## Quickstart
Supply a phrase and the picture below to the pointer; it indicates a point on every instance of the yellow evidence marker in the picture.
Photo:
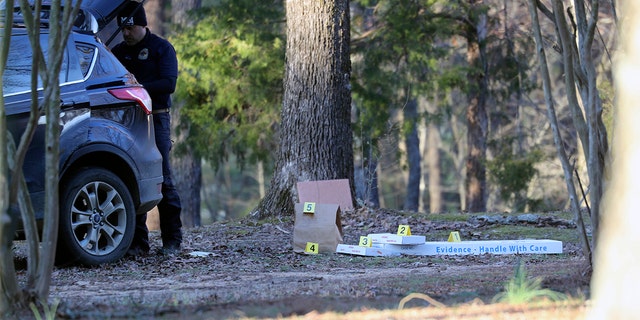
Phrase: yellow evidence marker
(454, 236)
(365, 241)
(309, 207)
(404, 230)
(312, 248)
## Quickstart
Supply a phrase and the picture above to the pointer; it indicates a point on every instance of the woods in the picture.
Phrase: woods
(406, 55)
(425, 106)
(459, 74)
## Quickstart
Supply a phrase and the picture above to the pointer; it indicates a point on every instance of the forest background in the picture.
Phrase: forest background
(453, 75)
(411, 88)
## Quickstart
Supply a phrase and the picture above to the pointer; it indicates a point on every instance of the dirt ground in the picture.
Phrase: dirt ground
(251, 271)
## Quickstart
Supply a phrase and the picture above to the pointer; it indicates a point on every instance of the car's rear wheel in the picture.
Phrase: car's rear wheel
(97, 217)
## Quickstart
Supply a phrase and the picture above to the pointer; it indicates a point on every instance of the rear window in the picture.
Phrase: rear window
(17, 75)
(86, 56)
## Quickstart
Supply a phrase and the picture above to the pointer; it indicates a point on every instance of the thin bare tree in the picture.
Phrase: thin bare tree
(576, 33)
(61, 20)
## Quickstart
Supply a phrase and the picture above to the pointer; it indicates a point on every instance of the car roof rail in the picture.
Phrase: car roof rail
(18, 17)
(84, 21)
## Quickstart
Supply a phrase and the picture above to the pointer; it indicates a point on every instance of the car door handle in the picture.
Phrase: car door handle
(68, 104)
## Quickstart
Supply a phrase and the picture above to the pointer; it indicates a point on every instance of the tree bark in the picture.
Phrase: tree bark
(60, 28)
(315, 136)
(457, 152)
(582, 92)
(187, 167)
(186, 172)
(477, 120)
(432, 156)
(586, 16)
(412, 141)
(8, 280)
(557, 138)
(366, 178)
(155, 16)
(180, 10)
(433, 165)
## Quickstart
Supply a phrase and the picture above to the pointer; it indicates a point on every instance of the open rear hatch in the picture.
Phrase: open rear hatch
(94, 15)
(103, 11)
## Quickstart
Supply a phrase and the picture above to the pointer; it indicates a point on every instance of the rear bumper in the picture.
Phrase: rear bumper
(150, 194)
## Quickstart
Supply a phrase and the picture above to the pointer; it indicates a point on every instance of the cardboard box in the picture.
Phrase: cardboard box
(396, 239)
(479, 247)
(326, 191)
(365, 251)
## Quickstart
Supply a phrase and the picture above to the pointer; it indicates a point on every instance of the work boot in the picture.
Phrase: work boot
(137, 251)
(170, 249)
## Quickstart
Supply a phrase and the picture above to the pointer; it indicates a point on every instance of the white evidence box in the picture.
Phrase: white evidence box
(544, 246)
(389, 238)
(373, 251)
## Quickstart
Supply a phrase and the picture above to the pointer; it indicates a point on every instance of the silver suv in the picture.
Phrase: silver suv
(110, 168)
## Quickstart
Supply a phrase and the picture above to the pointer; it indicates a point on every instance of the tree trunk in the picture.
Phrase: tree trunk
(366, 178)
(579, 73)
(8, 280)
(433, 165)
(571, 58)
(477, 121)
(186, 170)
(432, 157)
(457, 152)
(586, 16)
(187, 167)
(423, 206)
(412, 142)
(187, 176)
(155, 16)
(557, 138)
(315, 136)
(60, 30)
(261, 179)
(180, 10)
(616, 276)
(372, 181)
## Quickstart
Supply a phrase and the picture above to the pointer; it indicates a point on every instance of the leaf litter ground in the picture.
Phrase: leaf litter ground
(251, 271)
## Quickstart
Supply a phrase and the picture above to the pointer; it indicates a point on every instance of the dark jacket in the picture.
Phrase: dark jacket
(154, 63)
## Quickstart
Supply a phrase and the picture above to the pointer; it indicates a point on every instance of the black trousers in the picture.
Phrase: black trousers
(170, 207)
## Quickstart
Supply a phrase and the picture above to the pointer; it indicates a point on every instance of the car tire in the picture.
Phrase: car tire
(97, 218)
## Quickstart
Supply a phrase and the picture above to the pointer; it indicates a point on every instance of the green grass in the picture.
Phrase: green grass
(505, 231)
(449, 217)
(49, 311)
(520, 289)
(532, 232)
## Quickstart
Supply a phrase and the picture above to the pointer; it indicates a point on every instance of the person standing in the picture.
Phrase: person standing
(153, 62)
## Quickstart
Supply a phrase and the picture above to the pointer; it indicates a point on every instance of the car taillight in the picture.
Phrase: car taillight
(137, 94)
